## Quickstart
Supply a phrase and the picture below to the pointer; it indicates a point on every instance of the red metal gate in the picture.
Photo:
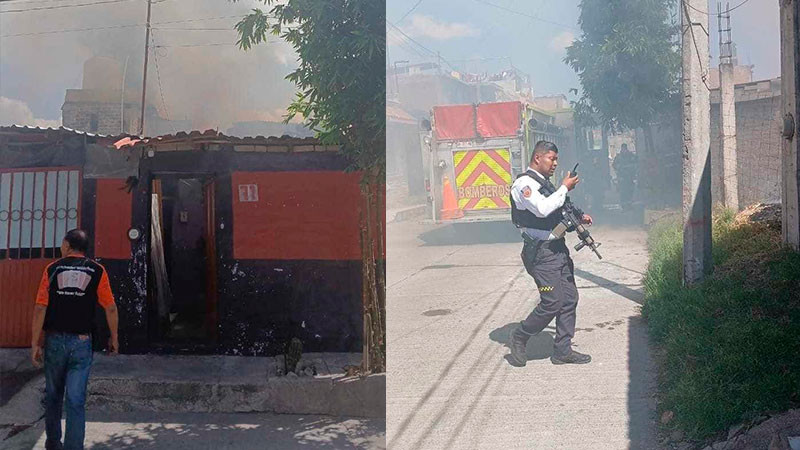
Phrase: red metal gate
(37, 207)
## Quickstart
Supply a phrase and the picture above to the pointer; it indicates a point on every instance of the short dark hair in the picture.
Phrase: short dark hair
(543, 147)
(77, 240)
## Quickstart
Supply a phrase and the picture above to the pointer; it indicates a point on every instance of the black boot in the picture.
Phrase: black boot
(517, 341)
(572, 357)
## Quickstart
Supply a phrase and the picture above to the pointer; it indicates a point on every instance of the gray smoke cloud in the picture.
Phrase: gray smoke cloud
(204, 78)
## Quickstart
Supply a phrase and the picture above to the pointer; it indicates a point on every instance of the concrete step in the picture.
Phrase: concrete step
(227, 384)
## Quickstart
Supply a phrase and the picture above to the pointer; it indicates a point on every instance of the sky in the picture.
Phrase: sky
(533, 34)
(215, 85)
(211, 85)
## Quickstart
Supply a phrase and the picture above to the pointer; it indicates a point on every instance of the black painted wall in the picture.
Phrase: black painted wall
(261, 304)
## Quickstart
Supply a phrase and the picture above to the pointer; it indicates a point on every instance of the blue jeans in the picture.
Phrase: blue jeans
(67, 361)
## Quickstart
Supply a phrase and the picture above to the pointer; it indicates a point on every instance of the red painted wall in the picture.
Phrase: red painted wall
(298, 215)
(20, 279)
(112, 219)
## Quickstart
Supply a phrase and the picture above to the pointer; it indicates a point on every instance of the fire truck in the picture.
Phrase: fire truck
(473, 153)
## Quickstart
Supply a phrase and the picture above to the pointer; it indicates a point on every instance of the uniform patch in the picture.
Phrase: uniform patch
(545, 288)
(526, 192)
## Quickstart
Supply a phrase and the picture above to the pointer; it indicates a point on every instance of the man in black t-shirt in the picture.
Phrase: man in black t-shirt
(65, 305)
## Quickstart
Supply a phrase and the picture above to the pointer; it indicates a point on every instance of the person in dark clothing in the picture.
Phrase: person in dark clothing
(64, 309)
(545, 256)
(625, 166)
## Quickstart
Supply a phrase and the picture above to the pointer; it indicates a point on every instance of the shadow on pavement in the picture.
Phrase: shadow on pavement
(211, 431)
(472, 234)
(11, 382)
(539, 346)
(636, 296)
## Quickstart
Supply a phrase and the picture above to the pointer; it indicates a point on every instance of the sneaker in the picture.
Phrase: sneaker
(517, 342)
(572, 357)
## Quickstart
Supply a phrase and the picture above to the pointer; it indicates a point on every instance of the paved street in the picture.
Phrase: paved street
(454, 294)
(216, 431)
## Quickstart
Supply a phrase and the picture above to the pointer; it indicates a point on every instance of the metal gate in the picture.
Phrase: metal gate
(37, 207)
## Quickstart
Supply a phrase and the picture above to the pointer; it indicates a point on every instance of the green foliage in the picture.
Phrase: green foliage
(341, 78)
(727, 347)
(627, 61)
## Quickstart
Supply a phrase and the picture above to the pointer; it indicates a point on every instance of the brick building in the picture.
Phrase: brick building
(102, 106)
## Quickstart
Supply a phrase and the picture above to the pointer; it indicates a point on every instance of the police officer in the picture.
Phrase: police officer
(545, 255)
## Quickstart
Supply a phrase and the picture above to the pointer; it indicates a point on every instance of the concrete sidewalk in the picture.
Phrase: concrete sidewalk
(213, 431)
(406, 213)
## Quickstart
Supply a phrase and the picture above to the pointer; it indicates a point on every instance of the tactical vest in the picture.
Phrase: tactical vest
(73, 283)
(524, 218)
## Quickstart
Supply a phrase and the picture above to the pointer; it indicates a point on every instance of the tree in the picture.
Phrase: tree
(341, 82)
(628, 62)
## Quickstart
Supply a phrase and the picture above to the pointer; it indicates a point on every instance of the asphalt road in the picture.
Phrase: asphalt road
(453, 294)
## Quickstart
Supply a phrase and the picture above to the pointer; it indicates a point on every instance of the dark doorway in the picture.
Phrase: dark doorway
(182, 269)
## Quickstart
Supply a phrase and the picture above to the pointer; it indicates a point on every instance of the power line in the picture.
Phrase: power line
(33, 1)
(128, 26)
(41, 8)
(160, 88)
(409, 11)
(410, 39)
(433, 53)
(527, 15)
(72, 30)
(694, 41)
(714, 15)
(240, 16)
(407, 45)
(216, 44)
(194, 29)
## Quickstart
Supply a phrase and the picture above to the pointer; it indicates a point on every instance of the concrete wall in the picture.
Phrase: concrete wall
(758, 144)
(404, 171)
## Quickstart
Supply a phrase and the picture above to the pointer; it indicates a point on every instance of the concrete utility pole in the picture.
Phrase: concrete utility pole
(696, 142)
(790, 156)
(144, 75)
(727, 111)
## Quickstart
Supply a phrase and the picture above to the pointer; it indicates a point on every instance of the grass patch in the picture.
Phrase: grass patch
(728, 348)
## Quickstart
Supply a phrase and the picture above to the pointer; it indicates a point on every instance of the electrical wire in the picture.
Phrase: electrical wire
(409, 11)
(240, 16)
(72, 30)
(160, 88)
(193, 29)
(527, 15)
(714, 15)
(694, 41)
(42, 8)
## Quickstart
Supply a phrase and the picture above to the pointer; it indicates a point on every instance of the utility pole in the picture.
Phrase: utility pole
(396, 82)
(144, 75)
(727, 110)
(790, 147)
(696, 142)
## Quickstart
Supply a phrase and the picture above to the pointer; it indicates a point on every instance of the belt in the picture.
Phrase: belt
(543, 242)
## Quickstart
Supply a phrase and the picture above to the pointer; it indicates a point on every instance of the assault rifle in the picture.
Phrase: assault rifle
(571, 221)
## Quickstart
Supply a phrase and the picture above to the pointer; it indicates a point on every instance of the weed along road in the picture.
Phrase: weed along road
(453, 295)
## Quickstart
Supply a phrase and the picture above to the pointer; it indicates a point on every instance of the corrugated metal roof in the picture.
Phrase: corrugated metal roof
(28, 128)
(213, 136)
(182, 140)
(214, 140)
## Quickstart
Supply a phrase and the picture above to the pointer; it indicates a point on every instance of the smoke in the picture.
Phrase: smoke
(204, 77)
(15, 112)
